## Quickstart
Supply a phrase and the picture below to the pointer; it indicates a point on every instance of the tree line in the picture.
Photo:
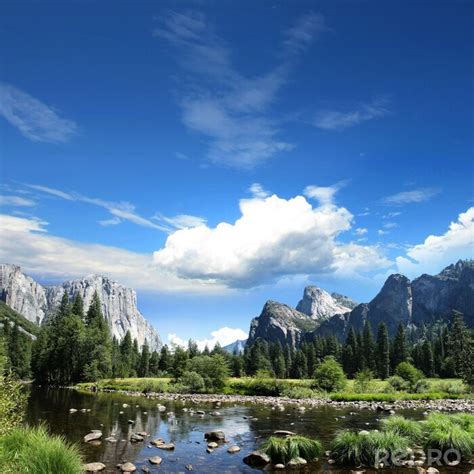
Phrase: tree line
(74, 345)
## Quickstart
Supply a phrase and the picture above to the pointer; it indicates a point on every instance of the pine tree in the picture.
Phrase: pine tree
(19, 353)
(193, 350)
(461, 348)
(427, 359)
(78, 306)
(368, 347)
(383, 352)
(399, 347)
(154, 363)
(165, 359)
(299, 369)
(350, 353)
(126, 354)
(180, 359)
(144, 365)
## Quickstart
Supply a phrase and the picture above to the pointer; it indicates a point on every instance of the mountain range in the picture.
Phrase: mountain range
(423, 301)
(36, 302)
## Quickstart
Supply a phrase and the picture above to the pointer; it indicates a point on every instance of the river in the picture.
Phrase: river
(245, 425)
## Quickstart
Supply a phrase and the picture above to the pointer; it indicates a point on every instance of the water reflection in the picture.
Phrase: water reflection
(244, 425)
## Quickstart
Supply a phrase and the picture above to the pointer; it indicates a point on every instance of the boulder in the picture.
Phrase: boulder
(94, 467)
(256, 459)
(155, 460)
(166, 446)
(233, 449)
(296, 462)
(136, 438)
(212, 445)
(128, 467)
(93, 436)
(215, 435)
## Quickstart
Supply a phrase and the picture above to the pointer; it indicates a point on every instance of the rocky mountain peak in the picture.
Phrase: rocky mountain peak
(119, 303)
(319, 304)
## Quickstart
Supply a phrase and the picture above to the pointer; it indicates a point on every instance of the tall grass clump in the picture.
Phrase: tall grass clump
(446, 432)
(34, 451)
(283, 450)
(355, 449)
(410, 429)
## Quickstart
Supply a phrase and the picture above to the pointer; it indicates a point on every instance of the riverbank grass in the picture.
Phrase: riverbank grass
(33, 450)
(410, 429)
(284, 449)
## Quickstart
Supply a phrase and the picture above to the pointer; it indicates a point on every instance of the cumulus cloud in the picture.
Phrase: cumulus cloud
(224, 336)
(409, 197)
(26, 242)
(272, 238)
(334, 120)
(220, 102)
(361, 231)
(438, 251)
(34, 119)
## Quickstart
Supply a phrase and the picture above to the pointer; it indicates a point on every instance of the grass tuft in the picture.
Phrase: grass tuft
(34, 451)
(408, 428)
(283, 450)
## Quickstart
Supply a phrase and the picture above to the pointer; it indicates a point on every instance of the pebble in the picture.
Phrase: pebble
(155, 460)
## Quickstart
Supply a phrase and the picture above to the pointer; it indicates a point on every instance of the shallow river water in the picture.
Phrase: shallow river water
(245, 425)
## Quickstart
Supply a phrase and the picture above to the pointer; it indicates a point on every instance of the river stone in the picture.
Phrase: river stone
(212, 445)
(128, 467)
(145, 469)
(189, 467)
(167, 446)
(157, 442)
(233, 449)
(279, 466)
(283, 433)
(161, 408)
(433, 470)
(155, 460)
(93, 436)
(256, 459)
(296, 462)
(94, 467)
(215, 435)
(111, 439)
(135, 438)
(72, 410)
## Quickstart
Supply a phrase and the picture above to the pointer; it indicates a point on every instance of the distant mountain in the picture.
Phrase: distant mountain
(425, 300)
(236, 347)
(36, 302)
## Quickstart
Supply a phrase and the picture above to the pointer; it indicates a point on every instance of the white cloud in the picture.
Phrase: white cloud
(324, 194)
(337, 120)
(220, 102)
(257, 190)
(408, 197)
(224, 336)
(390, 225)
(26, 242)
(121, 211)
(391, 215)
(181, 221)
(361, 231)
(16, 201)
(34, 119)
(273, 237)
(438, 251)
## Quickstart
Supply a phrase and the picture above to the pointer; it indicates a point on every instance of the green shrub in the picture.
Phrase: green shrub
(398, 424)
(408, 372)
(455, 387)
(329, 375)
(398, 383)
(363, 381)
(155, 386)
(284, 449)
(421, 386)
(12, 403)
(355, 449)
(213, 369)
(192, 382)
(33, 451)
(298, 392)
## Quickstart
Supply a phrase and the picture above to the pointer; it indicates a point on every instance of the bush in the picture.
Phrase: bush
(283, 450)
(192, 382)
(329, 375)
(355, 449)
(12, 404)
(408, 428)
(398, 383)
(408, 372)
(298, 392)
(33, 450)
(451, 437)
(363, 381)
(421, 386)
(213, 369)
(155, 386)
(456, 387)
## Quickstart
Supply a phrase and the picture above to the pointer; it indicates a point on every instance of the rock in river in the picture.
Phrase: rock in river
(94, 467)
(256, 459)
(233, 449)
(155, 460)
(215, 435)
(93, 436)
(128, 467)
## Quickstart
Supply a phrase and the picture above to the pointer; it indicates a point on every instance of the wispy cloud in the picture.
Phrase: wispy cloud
(223, 104)
(257, 190)
(408, 197)
(335, 120)
(324, 194)
(16, 201)
(34, 119)
(120, 211)
(181, 221)
(360, 231)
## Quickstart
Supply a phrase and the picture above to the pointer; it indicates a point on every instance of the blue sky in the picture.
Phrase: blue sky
(213, 155)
